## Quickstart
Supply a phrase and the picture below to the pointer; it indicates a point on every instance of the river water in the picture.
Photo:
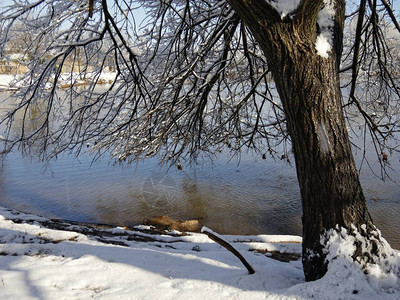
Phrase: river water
(255, 196)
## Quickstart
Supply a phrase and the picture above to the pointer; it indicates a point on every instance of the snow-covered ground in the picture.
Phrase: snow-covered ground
(41, 259)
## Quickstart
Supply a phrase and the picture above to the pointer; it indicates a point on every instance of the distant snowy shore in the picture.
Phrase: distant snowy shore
(6, 81)
(46, 259)
(11, 82)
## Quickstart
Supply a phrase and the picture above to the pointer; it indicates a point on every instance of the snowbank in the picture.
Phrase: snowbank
(80, 262)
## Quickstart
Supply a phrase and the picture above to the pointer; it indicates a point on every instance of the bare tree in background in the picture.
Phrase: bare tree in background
(198, 76)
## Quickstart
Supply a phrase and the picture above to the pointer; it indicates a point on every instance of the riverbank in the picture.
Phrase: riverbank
(46, 259)
(6, 81)
(10, 82)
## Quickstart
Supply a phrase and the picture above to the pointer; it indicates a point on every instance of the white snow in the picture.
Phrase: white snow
(325, 22)
(284, 7)
(322, 45)
(41, 263)
(381, 274)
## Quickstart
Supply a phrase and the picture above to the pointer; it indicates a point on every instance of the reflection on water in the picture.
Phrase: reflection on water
(255, 197)
(234, 199)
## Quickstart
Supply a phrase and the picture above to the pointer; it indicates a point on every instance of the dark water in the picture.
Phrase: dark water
(257, 196)
(254, 197)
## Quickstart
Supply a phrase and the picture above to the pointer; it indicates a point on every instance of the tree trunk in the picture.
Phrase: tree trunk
(309, 88)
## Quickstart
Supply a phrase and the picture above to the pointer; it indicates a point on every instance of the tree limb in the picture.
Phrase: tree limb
(229, 247)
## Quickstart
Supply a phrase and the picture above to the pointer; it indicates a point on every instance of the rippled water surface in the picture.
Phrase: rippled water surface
(253, 197)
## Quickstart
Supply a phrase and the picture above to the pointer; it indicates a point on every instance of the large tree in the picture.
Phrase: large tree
(196, 76)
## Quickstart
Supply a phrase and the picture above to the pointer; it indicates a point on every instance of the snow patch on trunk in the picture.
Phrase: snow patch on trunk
(324, 41)
(322, 45)
(284, 7)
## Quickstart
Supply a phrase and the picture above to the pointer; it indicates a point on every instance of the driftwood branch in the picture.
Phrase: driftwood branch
(228, 246)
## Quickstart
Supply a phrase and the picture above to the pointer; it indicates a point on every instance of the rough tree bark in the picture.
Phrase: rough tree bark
(309, 88)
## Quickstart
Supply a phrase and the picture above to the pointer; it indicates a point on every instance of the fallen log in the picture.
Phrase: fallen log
(167, 223)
